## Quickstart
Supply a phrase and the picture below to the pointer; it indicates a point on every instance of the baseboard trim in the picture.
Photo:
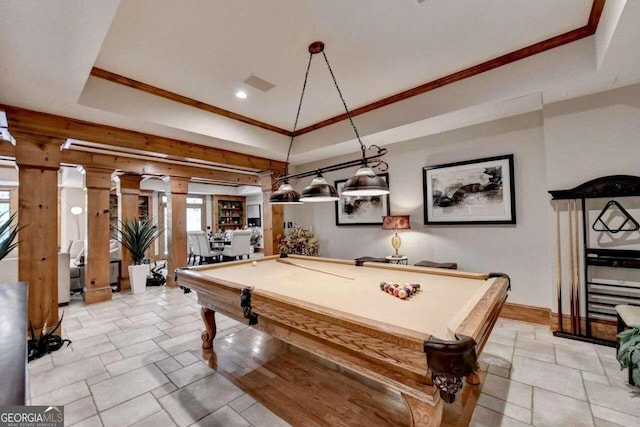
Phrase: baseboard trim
(526, 313)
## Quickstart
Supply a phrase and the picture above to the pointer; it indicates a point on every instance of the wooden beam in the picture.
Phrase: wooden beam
(128, 203)
(33, 122)
(272, 217)
(153, 90)
(153, 167)
(38, 161)
(177, 188)
(96, 281)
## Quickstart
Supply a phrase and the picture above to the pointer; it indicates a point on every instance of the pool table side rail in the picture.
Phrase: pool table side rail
(399, 368)
(376, 340)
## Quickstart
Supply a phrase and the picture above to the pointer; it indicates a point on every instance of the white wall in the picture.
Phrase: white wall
(519, 250)
(566, 144)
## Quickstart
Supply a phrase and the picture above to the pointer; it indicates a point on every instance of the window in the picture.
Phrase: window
(195, 214)
(5, 204)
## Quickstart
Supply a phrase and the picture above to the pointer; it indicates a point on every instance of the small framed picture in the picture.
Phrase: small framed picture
(478, 191)
(361, 210)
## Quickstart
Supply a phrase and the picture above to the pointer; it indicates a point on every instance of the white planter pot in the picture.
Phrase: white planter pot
(138, 278)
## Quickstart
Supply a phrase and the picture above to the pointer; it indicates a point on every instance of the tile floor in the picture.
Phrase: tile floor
(135, 361)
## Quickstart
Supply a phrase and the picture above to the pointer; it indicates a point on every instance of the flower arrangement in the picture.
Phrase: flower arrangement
(299, 241)
(255, 236)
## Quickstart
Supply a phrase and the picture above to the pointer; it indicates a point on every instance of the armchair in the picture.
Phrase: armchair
(240, 245)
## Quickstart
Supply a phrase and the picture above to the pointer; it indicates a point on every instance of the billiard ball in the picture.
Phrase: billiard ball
(402, 294)
(396, 291)
(254, 263)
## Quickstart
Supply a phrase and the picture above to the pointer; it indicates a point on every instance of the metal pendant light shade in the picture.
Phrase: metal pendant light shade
(285, 195)
(365, 183)
(319, 191)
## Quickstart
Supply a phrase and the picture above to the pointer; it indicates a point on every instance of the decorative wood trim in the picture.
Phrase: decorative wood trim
(606, 186)
(33, 122)
(574, 35)
(153, 90)
(526, 313)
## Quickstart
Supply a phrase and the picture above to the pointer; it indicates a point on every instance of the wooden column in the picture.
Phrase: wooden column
(272, 218)
(177, 188)
(38, 161)
(96, 278)
(129, 190)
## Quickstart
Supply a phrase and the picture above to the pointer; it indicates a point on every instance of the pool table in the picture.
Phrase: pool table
(421, 346)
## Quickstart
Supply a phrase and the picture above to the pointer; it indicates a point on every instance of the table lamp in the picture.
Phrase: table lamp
(396, 222)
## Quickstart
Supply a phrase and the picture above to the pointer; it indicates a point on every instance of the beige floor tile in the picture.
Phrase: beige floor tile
(139, 348)
(507, 390)
(188, 341)
(258, 415)
(224, 416)
(189, 374)
(63, 395)
(159, 419)
(89, 342)
(163, 390)
(98, 378)
(618, 399)
(131, 411)
(595, 378)
(552, 410)
(483, 417)
(145, 316)
(614, 417)
(194, 325)
(42, 368)
(168, 365)
(193, 402)
(534, 349)
(61, 359)
(497, 370)
(496, 354)
(112, 392)
(186, 358)
(177, 321)
(59, 377)
(89, 422)
(79, 410)
(131, 363)
(510, 410)
(99, 329)
(548, 376)
(585, 361)
(111, 357)
(242, 403)
(135, 336)
(164, 325)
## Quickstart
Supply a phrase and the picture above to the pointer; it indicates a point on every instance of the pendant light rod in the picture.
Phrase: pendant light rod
(363, 148)
(381, 165)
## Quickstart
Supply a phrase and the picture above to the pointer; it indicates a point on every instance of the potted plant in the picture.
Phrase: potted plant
(137, 236)
(8, 234)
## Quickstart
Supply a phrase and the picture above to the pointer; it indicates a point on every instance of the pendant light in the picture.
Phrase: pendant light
(364, 183)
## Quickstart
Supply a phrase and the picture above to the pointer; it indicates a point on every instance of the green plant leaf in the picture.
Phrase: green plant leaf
(8, 234)
(137, 236)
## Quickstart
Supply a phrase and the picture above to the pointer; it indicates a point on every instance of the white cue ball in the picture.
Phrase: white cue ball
(254, 263)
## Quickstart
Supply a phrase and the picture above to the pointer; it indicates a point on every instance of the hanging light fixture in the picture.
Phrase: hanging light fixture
(364, 183)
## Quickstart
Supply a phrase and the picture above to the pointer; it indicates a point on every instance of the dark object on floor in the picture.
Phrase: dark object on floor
(47, 342)
(156, 278)
(431, 264)
(360, 261)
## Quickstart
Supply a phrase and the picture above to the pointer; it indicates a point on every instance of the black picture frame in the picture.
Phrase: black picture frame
(372, 209)
(479, 191)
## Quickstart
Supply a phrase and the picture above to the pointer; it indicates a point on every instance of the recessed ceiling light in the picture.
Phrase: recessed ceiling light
(241, 94)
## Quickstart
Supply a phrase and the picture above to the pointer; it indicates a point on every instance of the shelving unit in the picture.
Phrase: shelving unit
(229, 213)
(605, 285)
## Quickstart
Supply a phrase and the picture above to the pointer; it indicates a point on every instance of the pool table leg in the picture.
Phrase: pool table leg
(421, 413)
(209, 319)
(473, 378)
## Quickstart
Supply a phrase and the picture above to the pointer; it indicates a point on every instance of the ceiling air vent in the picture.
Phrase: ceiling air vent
(258, 83)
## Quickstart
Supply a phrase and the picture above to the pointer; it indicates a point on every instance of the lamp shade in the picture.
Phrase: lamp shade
(285, 195)
(396, 222)
(365, 183)
(319, 191)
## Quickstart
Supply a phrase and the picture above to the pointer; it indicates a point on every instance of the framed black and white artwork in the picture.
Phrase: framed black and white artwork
(361, 210)
(480, 191)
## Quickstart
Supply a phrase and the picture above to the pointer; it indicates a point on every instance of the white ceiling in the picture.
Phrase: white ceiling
(203, 49)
